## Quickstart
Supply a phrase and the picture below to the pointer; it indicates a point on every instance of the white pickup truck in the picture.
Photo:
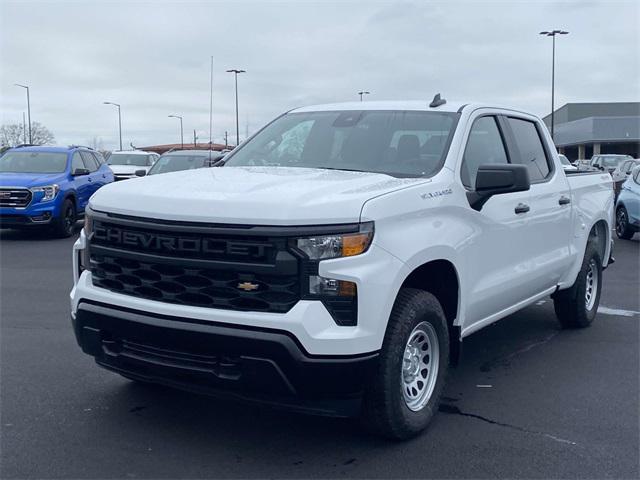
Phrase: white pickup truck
(337, 259)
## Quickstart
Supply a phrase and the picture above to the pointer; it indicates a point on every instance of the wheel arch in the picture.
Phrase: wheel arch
(440, 278)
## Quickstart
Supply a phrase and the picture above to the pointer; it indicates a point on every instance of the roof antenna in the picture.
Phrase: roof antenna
(437, 101)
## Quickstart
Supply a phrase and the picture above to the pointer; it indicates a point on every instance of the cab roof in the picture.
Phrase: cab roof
(415, 105)
(131, 152)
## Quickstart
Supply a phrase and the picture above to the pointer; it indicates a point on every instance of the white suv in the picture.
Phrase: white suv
(125, 164)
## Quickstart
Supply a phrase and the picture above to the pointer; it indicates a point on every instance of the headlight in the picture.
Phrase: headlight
(322, 247)
(88, 223)
(50, 192)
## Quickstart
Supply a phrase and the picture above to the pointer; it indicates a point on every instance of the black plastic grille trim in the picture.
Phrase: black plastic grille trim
(195, 286)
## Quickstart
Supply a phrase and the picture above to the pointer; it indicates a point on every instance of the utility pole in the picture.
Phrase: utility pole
(226, 139)
(235, 71)
(195, 139)
(181, 132)
(24, 129)
(119, 120)
(553, 34)
(363, 92)
(28, 109)
(211, 105)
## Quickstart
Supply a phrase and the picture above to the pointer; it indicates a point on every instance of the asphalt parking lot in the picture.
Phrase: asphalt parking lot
(528, 400)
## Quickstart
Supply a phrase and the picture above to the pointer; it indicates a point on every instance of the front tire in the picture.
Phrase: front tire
(623, 229)
(412, 368)
(63, 225)
(576, 307)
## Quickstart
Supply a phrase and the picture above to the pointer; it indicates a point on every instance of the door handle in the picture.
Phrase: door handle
(90, 179)
(522, 208)
(564, 200)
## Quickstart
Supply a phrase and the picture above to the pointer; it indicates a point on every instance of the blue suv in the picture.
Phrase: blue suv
(49, 186)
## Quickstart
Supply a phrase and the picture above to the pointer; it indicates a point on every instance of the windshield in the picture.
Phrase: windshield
(33, 162)
(612, 161)
(399, 143)
(175, 163)
(128, 159)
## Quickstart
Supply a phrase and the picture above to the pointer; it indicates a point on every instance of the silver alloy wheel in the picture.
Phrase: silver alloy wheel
(420, 366)
(621, 223)
(592, 284)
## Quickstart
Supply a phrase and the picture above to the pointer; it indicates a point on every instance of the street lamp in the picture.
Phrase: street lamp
(364, 92)
(119, 120)
(236, 72)
(553, 34)
(181, 134)
(28, 108)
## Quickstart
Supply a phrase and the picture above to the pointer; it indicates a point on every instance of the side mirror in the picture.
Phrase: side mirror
(497, 179)
(141, 173)
(80, 171)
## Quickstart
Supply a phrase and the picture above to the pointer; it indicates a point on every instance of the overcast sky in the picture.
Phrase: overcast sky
(154, 59)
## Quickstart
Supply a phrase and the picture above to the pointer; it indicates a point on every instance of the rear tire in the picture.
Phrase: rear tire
(623, 229)
(63, 226)
(576, 307)
(405, 390)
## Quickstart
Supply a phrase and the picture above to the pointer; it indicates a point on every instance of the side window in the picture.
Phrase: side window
(152, 158)
(89, 161)
(484, 145)
(99, 158)
(636, 176)
(76, 162)
(530, 149)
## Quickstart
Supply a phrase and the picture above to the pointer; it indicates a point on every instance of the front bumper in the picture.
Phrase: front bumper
(256, 364)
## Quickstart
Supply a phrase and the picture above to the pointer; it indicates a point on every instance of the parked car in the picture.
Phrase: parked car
(566, 164)
(336, 261)
(49, 186)
(124, 164)
(182, 160)
(608, 162)
(628, 206)
(621, 173)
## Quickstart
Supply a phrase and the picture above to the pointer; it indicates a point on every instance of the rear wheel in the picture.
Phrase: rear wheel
(623, 229)
(63, 225)
(406, 390)
(576, 307)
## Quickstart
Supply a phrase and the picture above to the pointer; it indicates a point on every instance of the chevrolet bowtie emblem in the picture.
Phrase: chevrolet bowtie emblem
(248, 286)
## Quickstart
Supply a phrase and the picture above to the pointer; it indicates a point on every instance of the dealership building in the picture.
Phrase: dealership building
(586, 129)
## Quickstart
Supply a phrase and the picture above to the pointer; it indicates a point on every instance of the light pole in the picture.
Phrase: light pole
(181, 134)
(363, 92)
(28, 108)
(119, 120)
(553, 34)
(236, 72)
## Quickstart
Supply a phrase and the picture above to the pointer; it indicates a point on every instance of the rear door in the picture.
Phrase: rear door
(549, 201)
(95, 177)
(497, 251)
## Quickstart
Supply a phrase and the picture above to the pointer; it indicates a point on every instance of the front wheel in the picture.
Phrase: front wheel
(576, 307)
(64, 224)
(623, 229)
(405, 391)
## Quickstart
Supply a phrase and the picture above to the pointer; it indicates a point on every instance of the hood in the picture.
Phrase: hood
(29, 180)
(249, 195)
(127, 169)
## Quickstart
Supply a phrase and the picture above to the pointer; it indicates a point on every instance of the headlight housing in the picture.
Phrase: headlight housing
(88, 223)
(49, 191)
(322, 247)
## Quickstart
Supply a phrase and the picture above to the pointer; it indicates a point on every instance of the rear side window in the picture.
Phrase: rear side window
(89, 161)
(529, 148)
(484, 145)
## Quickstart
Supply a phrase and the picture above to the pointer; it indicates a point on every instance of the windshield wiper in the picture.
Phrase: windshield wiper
(343, 169)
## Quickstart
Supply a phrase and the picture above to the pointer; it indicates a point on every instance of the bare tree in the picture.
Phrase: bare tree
(13, 134)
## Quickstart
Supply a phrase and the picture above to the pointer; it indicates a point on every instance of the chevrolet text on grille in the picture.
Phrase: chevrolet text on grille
(178, 244)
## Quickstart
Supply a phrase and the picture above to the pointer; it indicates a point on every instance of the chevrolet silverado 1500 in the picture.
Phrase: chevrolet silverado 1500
(337, 259)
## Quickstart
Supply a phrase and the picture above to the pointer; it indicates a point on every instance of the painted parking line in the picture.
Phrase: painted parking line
(617, 311)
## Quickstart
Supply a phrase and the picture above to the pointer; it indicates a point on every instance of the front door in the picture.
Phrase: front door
(497, 256)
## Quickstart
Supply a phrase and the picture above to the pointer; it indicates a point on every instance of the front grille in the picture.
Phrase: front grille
(202, 287)
(196, 265)
(15, 197)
